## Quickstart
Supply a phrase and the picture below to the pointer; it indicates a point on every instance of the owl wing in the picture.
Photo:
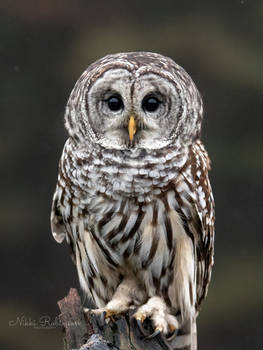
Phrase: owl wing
(63, 209)
(201, 225)
(58, 227)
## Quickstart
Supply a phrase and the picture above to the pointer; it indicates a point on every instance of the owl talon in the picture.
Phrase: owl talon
(172, 336)
(103, 318)
(140, 326)
(154, 334)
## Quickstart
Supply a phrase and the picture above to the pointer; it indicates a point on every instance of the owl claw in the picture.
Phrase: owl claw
(107, 314)
(103, 318)
(140, 326)
(172, 336)
(156, 311)
(154, 334)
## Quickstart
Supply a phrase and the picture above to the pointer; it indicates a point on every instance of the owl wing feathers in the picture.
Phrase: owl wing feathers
(63, 209)
(58, 227)
(201, 226)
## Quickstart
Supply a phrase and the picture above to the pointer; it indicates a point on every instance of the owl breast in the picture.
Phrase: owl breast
(121, 193)
(134, 173)
(127, 208)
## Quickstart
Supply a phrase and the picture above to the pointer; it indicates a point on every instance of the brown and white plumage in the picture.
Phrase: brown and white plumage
(138, 212)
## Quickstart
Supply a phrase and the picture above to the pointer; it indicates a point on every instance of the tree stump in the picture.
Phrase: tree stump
(85, 331)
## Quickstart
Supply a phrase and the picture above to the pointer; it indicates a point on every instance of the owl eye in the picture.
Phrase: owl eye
(150, 104)
(115, 103)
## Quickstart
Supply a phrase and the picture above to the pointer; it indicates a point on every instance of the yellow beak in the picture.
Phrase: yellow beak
(132, 127)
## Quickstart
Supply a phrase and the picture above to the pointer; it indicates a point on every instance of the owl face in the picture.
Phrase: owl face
(119, 99)
(129, 103)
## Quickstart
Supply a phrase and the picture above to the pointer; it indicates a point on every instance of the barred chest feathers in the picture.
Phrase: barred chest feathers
(129, 216)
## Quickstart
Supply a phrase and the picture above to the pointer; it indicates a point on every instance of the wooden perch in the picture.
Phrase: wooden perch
(84, 330)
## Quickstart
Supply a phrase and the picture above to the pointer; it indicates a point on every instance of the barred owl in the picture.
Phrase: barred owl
(133, 198)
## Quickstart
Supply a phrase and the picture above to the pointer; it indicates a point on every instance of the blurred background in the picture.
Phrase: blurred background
(44, 47)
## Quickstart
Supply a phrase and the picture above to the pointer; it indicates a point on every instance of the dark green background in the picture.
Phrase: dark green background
(44, 47)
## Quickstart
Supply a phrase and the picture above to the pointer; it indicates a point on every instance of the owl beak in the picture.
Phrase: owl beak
(132, 127)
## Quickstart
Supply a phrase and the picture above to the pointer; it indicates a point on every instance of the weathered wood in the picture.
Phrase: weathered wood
(73, 320)
(85, 331)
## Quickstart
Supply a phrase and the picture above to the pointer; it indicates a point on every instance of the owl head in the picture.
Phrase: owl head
(134, 100)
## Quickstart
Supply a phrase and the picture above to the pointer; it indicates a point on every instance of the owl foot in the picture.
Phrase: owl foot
(163, 322)
(114, 308)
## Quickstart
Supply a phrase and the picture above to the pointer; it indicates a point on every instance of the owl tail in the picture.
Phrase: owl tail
(186, 338)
